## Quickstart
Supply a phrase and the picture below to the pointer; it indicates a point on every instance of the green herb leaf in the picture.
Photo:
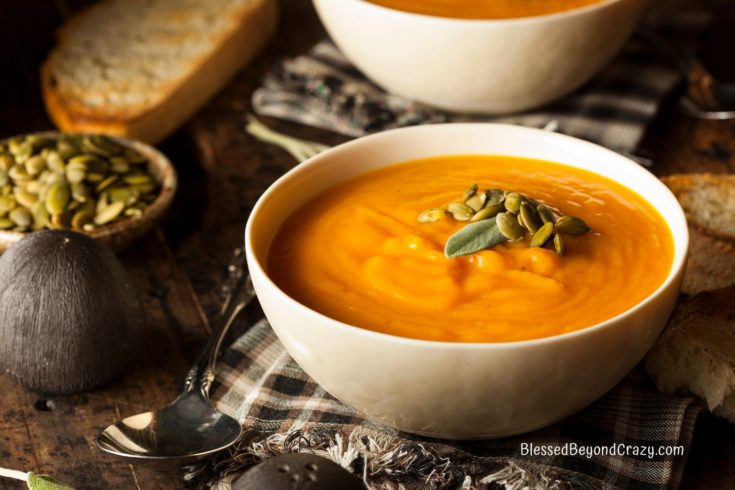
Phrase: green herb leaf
(45, 482)
(473, 238)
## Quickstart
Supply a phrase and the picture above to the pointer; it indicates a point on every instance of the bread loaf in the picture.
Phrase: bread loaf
(140, 68)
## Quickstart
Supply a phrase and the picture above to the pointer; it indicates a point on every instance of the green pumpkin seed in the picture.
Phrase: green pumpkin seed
(6, 224)
(509, 226)
(559, 245)
(4, 179)
(133, 157)
(571, 225)
(133, 212)
(82, 217)
(35, 165)
(107, 182)
(109, 213)
(67, 149)
(101, 145)
(34, 186)
(57, 198)
(25, 198)
(138, 179)
(59, 221)
(6, 161)
(80, 192)
(18, 173)
(55, 162)
(427, 216)
(477, 202)
(75, 174)
(485, 213)
(21, 151)
(54, 178)
(460, 211)
(513, 202)
(494, 196)
(21, 217)
(542, 236)
(119, 165)
(471, 191)
(146, 189)
(531, 220)
(6, 204)
(545, 214)
(95, 178)
(40, 216)
(493, 210)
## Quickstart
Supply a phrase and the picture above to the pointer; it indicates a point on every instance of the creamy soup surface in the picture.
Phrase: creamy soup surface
(357, 253)
(484, 9)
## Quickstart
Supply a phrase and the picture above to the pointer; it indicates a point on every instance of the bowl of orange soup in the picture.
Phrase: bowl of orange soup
(480, 56)
(357, 284)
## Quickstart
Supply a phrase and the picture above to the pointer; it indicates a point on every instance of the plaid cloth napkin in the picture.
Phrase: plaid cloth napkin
(283, 410)
(323, 89)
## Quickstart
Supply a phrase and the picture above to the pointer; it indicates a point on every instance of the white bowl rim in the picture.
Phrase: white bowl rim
(483, 22)
(676, 267)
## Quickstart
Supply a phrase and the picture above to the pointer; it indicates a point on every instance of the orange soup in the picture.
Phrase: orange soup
(484, 9)
(358, 254)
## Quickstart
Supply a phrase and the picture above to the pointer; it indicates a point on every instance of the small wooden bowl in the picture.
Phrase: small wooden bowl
(121, 234)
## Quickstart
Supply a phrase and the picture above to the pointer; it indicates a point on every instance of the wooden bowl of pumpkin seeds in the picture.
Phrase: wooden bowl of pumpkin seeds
(111, 188)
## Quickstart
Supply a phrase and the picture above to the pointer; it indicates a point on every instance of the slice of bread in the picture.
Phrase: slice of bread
(708, 201)
(711, 262)
(140, 68)
(696, 351)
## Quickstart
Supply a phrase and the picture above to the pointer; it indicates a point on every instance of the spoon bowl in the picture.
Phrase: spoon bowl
(188, 428)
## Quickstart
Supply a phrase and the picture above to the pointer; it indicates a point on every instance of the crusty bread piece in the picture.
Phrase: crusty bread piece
(708, 201)
(711, 262)
(140, 68)
(696, 351)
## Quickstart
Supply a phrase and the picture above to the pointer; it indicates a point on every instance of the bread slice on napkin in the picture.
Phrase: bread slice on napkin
(696, 351)
(709, 203)
(140, 68)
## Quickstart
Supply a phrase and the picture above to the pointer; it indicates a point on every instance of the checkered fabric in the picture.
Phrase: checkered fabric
(282, 410)
(323, 89)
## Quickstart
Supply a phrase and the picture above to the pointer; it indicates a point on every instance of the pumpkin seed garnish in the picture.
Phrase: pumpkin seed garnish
(512, 214)
(428, 216)
(530, 219)
(509, 226)
(542, 236)
(460, 211)
(559, 246)
(571, 225)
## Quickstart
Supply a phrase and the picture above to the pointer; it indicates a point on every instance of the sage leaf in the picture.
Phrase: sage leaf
(473, 238)
(45, 482)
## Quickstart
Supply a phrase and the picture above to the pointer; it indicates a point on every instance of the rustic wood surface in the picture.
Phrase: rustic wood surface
(180, 267)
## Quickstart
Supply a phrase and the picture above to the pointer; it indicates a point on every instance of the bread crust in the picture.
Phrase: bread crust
(234, 48)
(707, 199)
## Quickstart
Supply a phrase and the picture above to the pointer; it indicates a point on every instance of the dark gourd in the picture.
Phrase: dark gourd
(70, 318)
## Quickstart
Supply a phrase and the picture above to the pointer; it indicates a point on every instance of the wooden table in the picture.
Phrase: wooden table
(180, 267)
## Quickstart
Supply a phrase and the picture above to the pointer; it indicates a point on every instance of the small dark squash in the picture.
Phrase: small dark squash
(70, 318)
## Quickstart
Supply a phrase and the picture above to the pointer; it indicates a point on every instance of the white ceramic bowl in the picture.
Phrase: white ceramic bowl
(460, 390)
(482, 66)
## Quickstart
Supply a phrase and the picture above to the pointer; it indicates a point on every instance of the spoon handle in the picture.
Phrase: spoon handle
(239, 293)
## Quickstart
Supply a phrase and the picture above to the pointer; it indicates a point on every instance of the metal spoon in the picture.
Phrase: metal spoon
(189, 428)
